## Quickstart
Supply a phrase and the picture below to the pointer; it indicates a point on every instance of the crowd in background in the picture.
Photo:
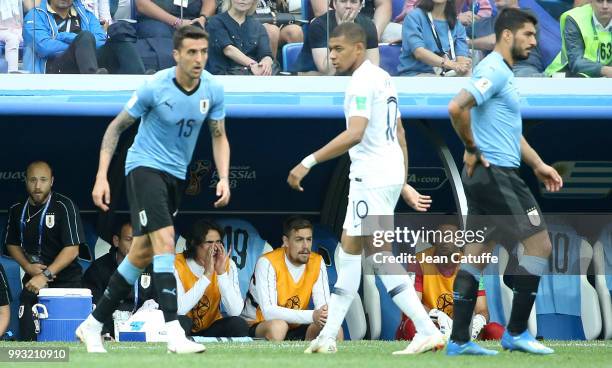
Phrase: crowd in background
(437, 37)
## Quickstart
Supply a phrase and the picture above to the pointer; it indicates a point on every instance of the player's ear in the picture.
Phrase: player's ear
(507, 35)
(52, 179)
(175, 55)
(115, 241)
(285, 241)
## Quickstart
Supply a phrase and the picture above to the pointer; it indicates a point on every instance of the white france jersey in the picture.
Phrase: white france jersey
(171, 121)
(377, 161)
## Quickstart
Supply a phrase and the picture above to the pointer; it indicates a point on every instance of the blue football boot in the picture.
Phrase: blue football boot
(469, 348)
(525, 343)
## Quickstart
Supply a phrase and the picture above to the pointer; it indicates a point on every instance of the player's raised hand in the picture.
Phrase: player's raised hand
(414, 199)
(223, 192)
(296, 175)
(472, 159)
(549, 176)
(209, 262)
(221, 258)
(101, 194)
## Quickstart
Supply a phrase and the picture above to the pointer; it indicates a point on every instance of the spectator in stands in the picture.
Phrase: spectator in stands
(99, 273)
(433, 42)
(278, 34)
(378, 11)
(483, 39)
(434, 286)
(43, 235)
(586, 49)
(282, 286)
(315, 46)
(464, 10)
(206, 278)
(239, 43)
(69, 39)
(11, 23)
(5, 301)
(158, 19)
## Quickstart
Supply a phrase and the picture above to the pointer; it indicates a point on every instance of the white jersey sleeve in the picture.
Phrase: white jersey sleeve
(359, 96)
(230, 291)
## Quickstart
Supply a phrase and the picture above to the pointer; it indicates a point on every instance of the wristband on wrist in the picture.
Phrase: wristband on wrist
(473, 150)
(48, 274)
(176, 23)
(309, 161)
(205, 17)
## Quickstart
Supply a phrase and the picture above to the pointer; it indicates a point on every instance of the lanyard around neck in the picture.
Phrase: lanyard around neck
(40, 224)
(437, 39)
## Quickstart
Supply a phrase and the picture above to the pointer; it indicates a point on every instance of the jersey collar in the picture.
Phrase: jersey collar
(188, 93)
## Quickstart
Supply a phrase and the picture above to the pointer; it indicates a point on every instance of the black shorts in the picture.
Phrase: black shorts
(294, 334)
(500, 201)
(154, 197)
(5, 293)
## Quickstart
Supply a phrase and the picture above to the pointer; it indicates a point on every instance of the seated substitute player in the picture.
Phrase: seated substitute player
(282, 286)
(206, 277)
(174, 105)
(434, 286)
(376, 142)
(487, 117)
(98, 275)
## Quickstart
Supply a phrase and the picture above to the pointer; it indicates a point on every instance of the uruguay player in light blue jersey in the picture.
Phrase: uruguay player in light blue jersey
(486, 115)
(172, 105)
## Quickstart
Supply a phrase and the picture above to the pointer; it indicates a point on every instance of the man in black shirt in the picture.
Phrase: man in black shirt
(315, 44)
(43, 235)
(97, 276)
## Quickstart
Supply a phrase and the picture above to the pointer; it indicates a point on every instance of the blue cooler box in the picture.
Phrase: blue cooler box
(60, 311)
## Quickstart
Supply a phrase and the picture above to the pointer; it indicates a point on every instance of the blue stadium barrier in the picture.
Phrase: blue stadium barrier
(298, 97)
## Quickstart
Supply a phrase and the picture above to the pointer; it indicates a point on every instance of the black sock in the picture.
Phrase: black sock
(525, 289)
(165, 285)
(465, 291)
(117, 290)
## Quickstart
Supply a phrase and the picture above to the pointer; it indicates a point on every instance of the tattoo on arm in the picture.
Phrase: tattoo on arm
(114, 130)
(217, 128)
(464, 99)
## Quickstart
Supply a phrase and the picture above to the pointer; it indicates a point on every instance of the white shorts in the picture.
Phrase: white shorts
(370, 209)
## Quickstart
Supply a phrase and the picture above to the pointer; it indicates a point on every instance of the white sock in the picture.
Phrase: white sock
(94, 322)
(346, 287)
(401, 290)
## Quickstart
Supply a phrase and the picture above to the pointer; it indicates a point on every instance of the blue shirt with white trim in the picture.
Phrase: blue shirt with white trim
(171, 121)
(496, 120)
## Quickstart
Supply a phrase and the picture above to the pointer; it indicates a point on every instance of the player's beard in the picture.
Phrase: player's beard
(517, 55)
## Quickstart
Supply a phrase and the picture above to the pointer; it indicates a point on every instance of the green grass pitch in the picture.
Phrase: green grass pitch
(570, 354)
